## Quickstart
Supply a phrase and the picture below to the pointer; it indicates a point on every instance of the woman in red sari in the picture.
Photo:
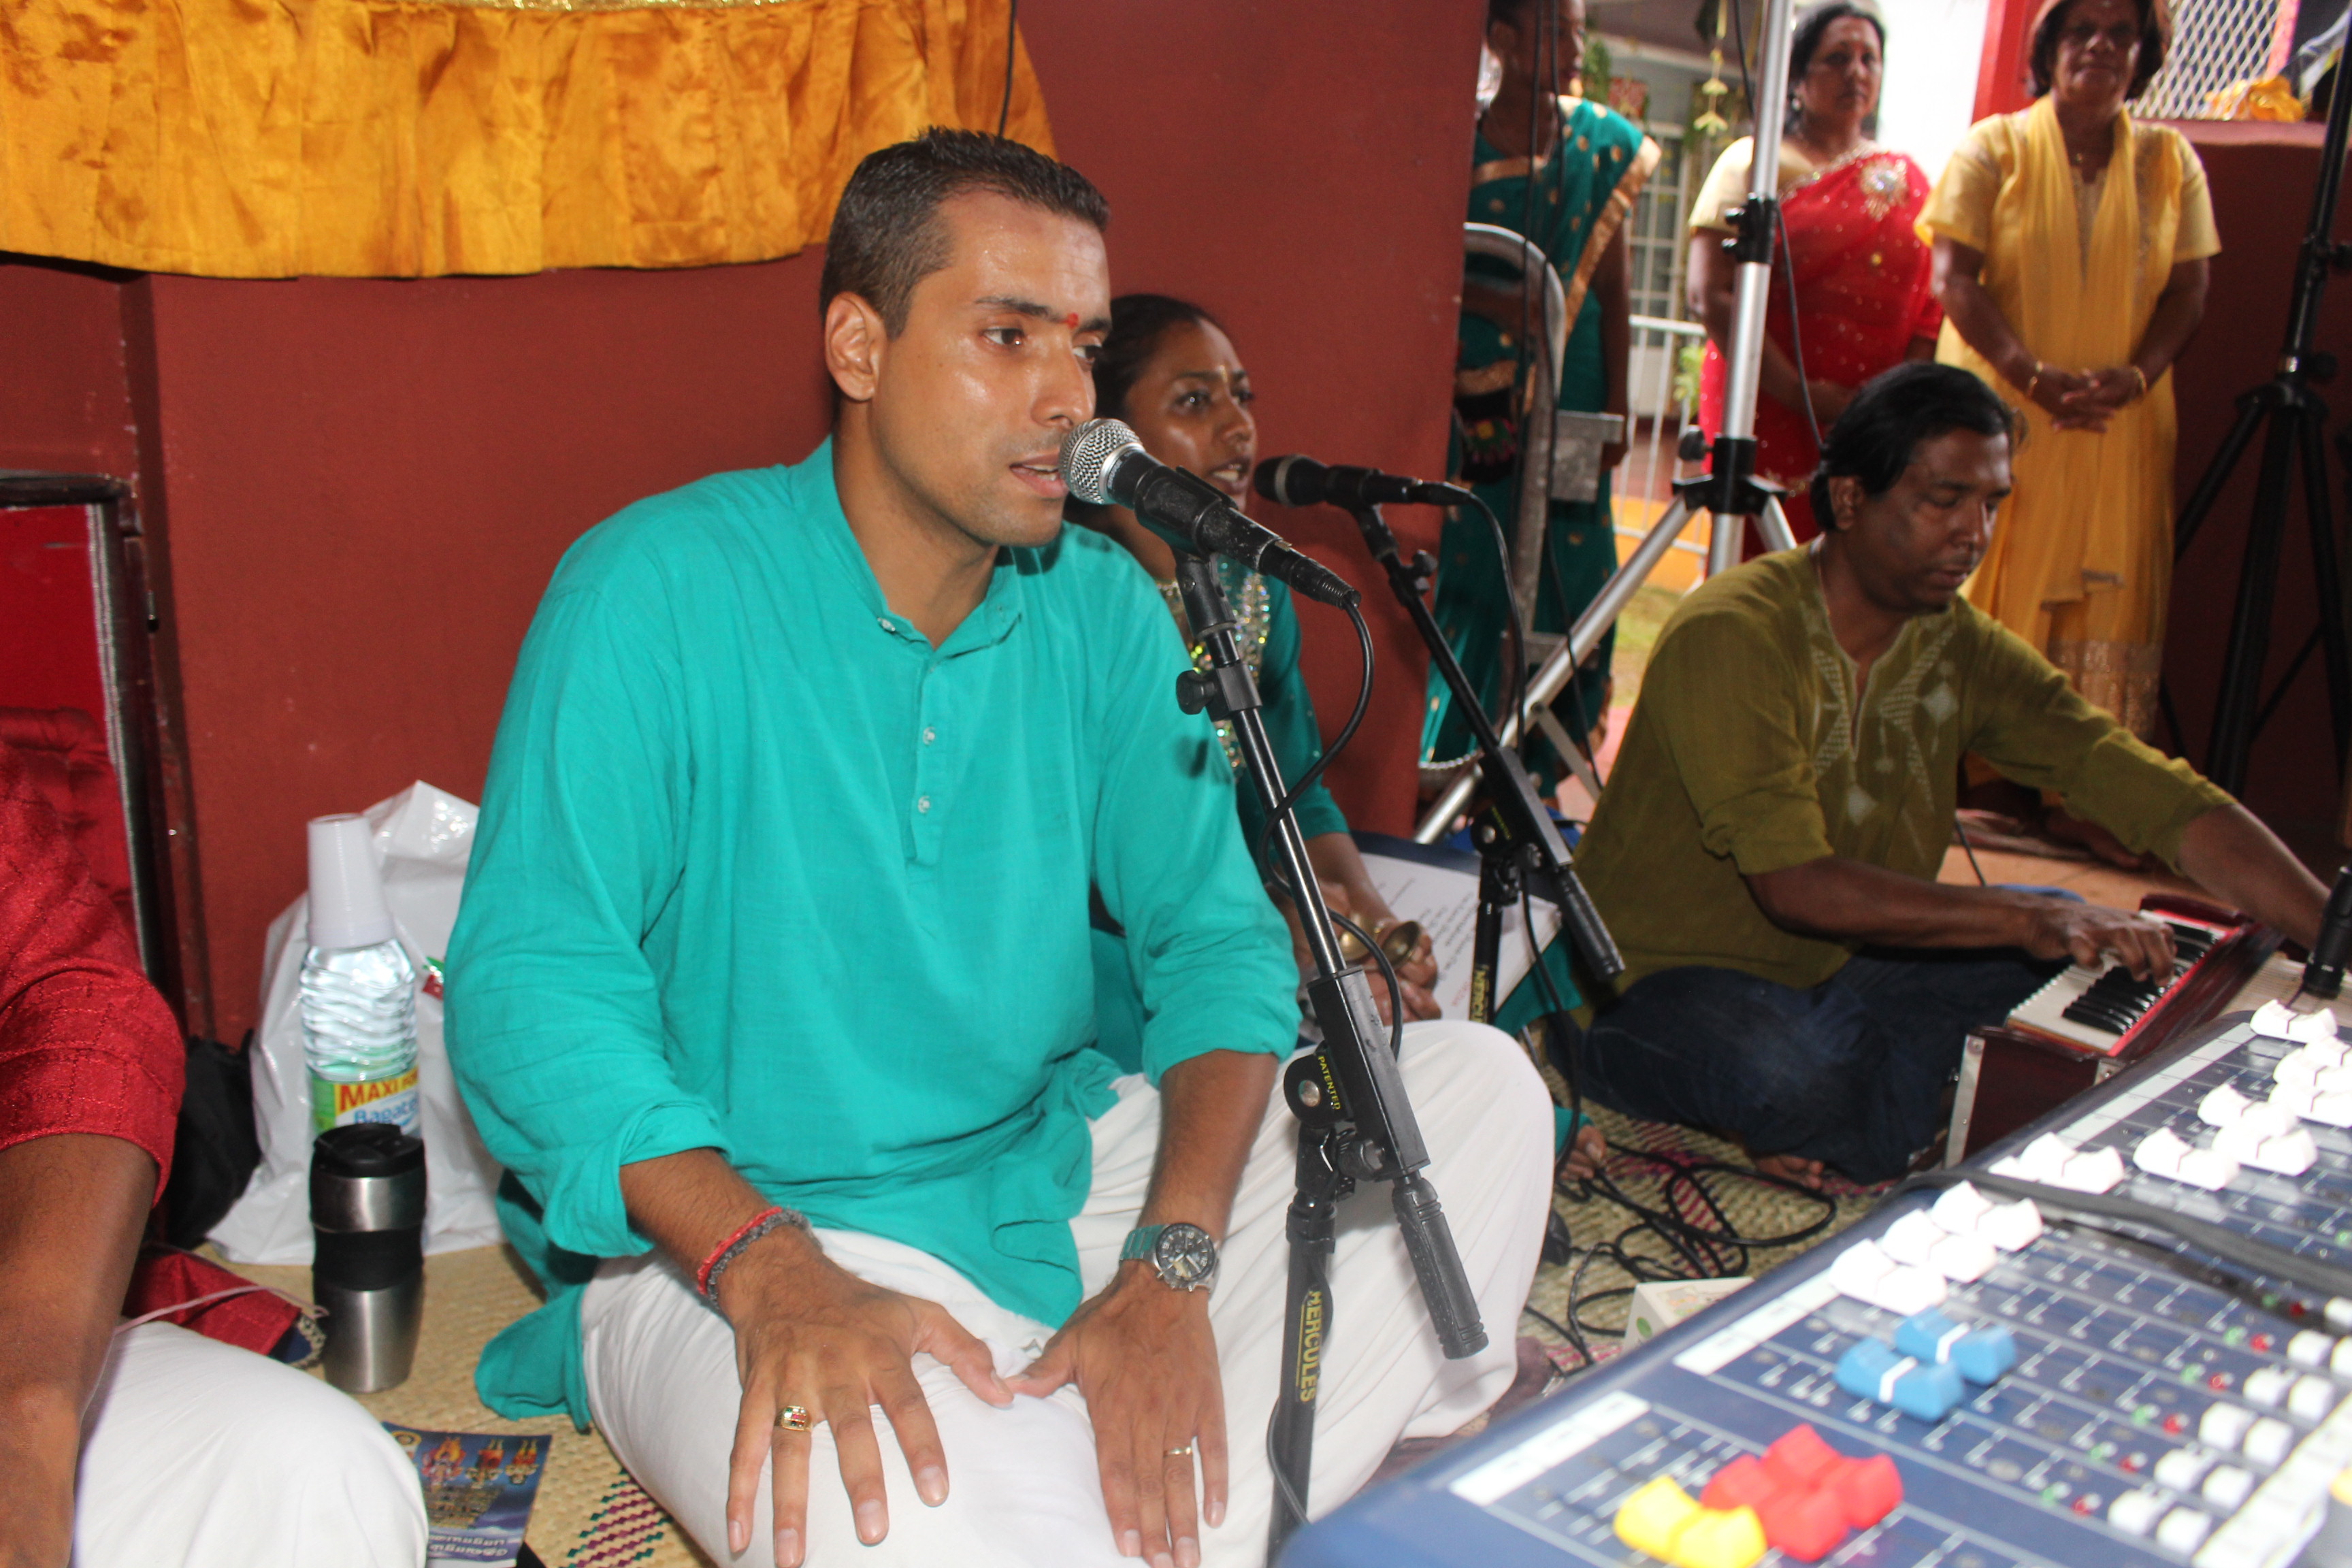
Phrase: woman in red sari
(1862, 270)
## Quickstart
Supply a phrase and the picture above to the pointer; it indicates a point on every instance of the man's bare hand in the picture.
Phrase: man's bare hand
(809, 1333)
(1586, 1153)
(2059, 928)
(1416, 976)
(1144, 1356)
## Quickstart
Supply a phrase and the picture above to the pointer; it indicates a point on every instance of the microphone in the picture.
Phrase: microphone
(1294, 480)
(1104, 464)
(2324, 975)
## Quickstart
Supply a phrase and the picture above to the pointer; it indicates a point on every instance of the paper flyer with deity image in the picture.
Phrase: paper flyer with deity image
(478, 1489)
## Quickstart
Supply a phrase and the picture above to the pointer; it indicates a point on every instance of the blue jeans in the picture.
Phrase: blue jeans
(1850, 1072)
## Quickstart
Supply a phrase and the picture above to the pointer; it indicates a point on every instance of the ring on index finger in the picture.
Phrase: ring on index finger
(795, 1418)
(1184, 1453)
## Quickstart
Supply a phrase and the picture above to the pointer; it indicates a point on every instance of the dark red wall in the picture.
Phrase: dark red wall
(1303, 171)
(2263, 178)
(65, 396)
(363, 486)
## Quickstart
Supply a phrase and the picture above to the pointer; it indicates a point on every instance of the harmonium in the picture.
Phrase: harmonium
(2088, 1024)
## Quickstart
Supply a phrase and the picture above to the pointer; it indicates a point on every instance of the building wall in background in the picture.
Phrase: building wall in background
(361, 486)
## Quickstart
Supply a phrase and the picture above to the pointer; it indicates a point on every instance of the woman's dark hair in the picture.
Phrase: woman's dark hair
(1138, 321)
(886, 235)
(2154, 37)
(1873, 440)
(1812, 25)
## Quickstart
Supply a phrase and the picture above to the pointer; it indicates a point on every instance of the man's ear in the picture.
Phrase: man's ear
(856, 343)
(1503, 37)
(1846, 500)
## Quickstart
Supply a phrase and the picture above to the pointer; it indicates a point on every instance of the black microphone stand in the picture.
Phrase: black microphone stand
(1520, 846)
(1355, 1123)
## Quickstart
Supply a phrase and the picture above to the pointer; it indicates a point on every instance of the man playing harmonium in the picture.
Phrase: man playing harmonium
(772, 986)
(1766, 852)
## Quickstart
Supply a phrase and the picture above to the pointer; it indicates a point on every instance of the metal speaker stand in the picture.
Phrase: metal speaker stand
(2294, 420)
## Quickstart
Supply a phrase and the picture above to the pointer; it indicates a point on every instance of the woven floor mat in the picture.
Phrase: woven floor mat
(1789, 1221)
(589, 1512)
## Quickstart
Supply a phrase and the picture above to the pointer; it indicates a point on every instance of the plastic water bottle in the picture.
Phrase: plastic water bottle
(359, 989)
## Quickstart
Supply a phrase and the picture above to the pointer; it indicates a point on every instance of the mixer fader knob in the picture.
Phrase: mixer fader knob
(2267, 1441)
(2223, 1425)
(2313, 1397)
(2135, 1513)
(2226, 1487)
(2267, 1386)
(2183, 1530)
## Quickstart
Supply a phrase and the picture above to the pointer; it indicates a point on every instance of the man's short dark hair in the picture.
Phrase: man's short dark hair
(1873, 439)
(2154, 37)
(886, 236)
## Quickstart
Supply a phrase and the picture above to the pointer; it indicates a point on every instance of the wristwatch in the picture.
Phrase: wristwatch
(1184, 1256)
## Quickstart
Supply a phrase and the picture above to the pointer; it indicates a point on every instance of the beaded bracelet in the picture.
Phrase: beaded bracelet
(706, 1278)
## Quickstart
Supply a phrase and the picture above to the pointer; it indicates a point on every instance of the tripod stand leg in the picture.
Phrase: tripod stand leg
(2250, 626)
(2327, 576)
(2216, 473)
(1307, 1325)
(1774, 527)
(1560, 668)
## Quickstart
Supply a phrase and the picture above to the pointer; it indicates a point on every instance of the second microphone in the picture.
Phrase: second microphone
(1104, 465)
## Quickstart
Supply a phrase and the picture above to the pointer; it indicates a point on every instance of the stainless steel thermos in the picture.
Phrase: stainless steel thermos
(367, 1210)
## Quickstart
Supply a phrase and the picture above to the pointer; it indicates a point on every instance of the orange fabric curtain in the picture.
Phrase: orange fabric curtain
(347, 138)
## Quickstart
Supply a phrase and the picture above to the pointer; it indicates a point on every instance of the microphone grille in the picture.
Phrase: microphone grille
(1086, 455)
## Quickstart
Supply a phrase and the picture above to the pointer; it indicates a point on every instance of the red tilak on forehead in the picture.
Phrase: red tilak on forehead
(1071, 320)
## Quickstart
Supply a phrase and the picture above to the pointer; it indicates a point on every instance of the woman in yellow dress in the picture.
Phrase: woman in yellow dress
(2070, 257)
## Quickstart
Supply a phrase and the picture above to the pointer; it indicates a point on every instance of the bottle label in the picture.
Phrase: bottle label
(392, 1099)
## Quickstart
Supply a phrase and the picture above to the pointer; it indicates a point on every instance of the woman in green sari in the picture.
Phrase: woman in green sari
(1169, 370)
(1564, 172)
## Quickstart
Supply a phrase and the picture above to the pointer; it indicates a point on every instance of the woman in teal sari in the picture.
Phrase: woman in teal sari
(1169, 370)
(1564, 172)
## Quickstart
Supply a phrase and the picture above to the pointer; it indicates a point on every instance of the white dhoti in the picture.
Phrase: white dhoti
(201, 1455)
(1024, 1490)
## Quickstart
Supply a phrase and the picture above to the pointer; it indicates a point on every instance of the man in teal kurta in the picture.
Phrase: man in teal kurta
(772, 987)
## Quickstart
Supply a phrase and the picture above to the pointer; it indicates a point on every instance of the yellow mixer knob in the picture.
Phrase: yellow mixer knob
(1716, 1539)
(1653, 1519)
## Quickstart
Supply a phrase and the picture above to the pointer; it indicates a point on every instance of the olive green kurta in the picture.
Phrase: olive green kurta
(1750, 752)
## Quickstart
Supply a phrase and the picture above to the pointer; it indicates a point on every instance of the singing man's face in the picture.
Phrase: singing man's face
(995, 366)
(1912, 547)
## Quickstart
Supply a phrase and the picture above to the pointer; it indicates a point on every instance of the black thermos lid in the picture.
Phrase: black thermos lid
(366, 1149)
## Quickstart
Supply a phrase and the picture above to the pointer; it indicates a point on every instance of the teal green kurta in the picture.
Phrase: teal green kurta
(760, 870)
(1270, 644)
(1582, 195)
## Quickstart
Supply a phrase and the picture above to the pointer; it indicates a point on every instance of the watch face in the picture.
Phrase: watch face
(1185, 1256)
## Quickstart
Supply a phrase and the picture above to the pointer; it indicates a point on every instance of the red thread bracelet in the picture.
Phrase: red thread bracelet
(720, 1253)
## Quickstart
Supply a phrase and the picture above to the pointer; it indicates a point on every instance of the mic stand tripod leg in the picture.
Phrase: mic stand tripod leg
(1313, 1227)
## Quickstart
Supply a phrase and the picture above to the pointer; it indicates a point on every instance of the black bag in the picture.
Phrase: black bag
(215, 1148)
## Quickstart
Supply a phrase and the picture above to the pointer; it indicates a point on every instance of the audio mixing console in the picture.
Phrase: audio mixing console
(1963, 1380)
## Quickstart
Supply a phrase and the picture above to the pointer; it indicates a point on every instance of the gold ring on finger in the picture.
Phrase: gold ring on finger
(795, 1418)
(1184, 1453)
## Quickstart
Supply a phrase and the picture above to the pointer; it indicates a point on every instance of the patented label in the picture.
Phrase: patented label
(392, 1099)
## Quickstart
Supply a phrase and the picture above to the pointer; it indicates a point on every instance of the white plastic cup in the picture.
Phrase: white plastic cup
(347, 903)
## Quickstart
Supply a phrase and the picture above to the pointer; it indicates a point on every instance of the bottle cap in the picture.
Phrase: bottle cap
(347, 907)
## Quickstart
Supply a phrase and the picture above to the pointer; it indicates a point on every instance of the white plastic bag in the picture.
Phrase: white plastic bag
(423, 837)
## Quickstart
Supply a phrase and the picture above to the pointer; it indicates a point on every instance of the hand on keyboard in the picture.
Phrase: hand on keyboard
(2093, 937)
